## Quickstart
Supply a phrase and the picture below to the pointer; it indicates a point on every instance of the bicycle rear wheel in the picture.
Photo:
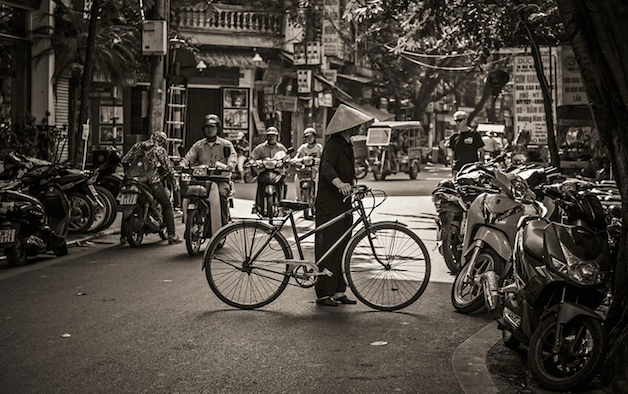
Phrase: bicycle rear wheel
(391, 273)
(238, 280)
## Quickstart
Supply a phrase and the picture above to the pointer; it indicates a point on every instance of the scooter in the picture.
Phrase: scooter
(491, 225)
(204, 216)
(272, 177)
(32, 225)
(141, 212)
(553, 288)
(306, 170)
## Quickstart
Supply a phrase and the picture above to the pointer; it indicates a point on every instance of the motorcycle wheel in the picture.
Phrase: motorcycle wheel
(378, 174)
(269, 208)
(194, 233)
(104, 217)
(361, 170)
(579, 358)
(305, 196)
(61, 250)
(509, 340)
(81, 213)
(16, 254)
(133, 230)
(163, 233)
(467, 296)
(451, 240)
(414, 170)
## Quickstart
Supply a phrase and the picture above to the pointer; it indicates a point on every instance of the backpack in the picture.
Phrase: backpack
(140, 168)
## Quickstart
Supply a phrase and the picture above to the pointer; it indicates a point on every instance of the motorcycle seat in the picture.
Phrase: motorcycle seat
(69, 178)
(533, 243)
(293, 205)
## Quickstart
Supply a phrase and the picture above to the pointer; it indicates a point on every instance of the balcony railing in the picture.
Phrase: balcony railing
(232, 18)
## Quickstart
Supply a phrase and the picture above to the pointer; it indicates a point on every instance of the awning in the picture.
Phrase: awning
(229, 58)
(369, 110)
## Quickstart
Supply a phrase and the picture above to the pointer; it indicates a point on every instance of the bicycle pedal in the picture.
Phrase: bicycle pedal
(327, 272)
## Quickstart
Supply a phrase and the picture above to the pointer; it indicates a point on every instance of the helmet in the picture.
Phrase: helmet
(309, 131)
(240, 135)
(159, 138)
(210, 119)
(272, 131)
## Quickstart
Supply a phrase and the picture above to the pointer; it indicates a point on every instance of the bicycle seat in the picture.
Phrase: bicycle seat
(294, 205)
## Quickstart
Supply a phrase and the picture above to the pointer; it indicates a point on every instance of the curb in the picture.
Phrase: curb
(469, 361)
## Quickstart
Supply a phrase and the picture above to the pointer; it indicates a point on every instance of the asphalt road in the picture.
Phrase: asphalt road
(110, 318)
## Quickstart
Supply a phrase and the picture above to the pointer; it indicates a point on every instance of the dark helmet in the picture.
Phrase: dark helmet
(159, 138)
(211, 119)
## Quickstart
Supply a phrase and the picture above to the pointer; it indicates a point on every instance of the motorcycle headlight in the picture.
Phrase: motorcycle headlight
(520, 190)
(199, 172)
(583, 272)
(308, 160)
(269, 164)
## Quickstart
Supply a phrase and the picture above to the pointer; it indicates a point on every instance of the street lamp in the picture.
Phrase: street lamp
(201, 66)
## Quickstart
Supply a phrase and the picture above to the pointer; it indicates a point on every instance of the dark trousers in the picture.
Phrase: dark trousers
(260, 195)
(324, 240)
(159, 191)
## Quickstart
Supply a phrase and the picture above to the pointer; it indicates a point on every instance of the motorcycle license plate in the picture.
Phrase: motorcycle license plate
(128, 199)
(7, 236)
(191, 205)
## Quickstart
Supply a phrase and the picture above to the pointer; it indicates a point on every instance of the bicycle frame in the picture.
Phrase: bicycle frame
(358, 206)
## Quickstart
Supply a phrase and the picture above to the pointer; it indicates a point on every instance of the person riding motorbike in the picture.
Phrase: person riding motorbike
(161, 171)
(310, 148)
(266, 149)
(210, 151)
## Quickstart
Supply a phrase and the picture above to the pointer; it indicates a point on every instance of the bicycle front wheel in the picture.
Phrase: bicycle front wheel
(235, 277)
(387, 267)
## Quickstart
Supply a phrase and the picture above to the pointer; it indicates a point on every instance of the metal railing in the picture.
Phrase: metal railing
(231, 18)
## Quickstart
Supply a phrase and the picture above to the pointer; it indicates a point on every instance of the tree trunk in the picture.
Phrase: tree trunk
(599, 35)
(86, 81)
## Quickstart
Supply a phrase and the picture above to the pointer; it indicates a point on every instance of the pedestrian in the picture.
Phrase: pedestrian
(214, 151)
(466, 144)
(241, 146)
(267, 149)
(160, 171)
(335, 182)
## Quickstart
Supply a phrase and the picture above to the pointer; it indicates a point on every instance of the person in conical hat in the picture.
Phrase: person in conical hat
(335, 181)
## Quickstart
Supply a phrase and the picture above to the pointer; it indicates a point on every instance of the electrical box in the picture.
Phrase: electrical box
(154, 37)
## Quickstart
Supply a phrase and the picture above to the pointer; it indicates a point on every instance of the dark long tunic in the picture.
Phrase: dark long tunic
(337, 161)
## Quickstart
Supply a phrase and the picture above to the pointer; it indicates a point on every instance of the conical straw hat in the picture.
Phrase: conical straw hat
(346, 118)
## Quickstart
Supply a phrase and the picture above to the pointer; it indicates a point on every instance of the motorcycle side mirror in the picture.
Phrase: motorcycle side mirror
(290, 150)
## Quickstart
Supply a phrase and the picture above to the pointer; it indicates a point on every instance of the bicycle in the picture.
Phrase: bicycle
(249, 263)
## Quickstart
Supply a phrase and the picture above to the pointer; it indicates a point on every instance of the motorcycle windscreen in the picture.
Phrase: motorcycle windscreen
(215, 217)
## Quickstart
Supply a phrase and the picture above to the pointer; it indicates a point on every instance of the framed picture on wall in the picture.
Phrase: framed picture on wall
(108, 113)
(106, 134)
(235, 98)
(236, 118)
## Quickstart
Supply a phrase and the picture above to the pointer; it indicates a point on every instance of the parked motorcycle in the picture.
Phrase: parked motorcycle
(272, 176)
(491, 225)
(76, 184)
(108, 180)
(452, 200)
(204, 216)
(552, 288)
(306, 170)
(32, 225)
(141, 212)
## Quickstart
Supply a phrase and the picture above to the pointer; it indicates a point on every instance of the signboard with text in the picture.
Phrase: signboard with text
(528, 97)
(573, 91)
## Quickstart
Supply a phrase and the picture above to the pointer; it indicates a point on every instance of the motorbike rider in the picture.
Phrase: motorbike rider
(309, 148)
(266, 149)
(211, 150)
(241, 146)
(162, 171)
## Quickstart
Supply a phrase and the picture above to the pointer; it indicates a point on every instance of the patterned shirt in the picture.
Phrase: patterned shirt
(157, 158)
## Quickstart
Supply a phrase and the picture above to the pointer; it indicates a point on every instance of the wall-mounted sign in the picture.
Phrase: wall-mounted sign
(286, 103)
(572, 91)
(325, 99)
(529, 104)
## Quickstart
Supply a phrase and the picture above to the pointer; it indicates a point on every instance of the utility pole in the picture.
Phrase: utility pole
(157, 91)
